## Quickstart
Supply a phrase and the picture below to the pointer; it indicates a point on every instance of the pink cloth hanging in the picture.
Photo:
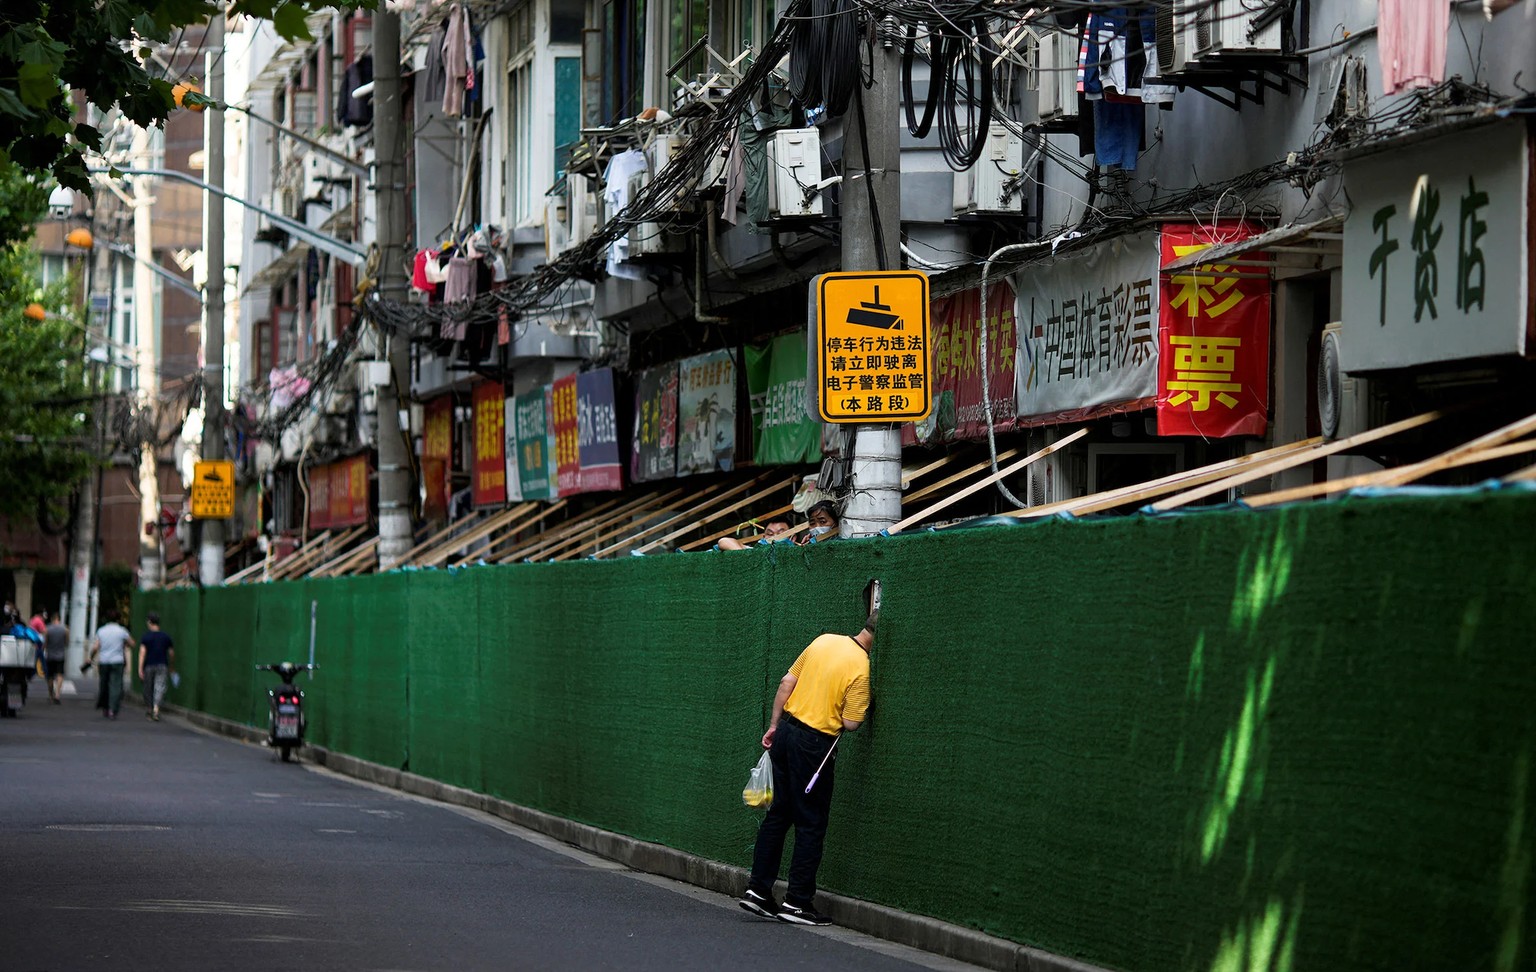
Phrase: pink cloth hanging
(1410, 37)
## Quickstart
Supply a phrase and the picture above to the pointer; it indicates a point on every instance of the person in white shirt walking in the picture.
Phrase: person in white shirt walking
(109, 650)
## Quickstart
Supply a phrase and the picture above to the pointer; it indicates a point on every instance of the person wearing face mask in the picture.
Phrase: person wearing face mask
(772, 531)
(822, 523)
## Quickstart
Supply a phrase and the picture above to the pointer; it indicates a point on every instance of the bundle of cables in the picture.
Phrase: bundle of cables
(824, 58)
(955, 73)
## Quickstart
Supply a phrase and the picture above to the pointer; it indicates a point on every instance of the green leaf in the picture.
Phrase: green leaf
(38, 84)
(11, 105)
(289, 21)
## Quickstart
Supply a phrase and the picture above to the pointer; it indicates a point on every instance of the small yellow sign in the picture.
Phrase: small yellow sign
(213, 490)
(872, 341)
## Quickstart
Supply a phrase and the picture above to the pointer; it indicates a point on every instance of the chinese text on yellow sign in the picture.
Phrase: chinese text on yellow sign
(213, 490)
(872, 340)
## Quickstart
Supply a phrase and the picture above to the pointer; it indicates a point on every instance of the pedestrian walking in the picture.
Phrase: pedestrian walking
(157, 653)
(55, 650)
(824, 694)
(14, 677)
(109, 650)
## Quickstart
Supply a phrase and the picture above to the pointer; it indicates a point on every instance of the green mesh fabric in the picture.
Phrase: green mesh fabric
(1298, 739)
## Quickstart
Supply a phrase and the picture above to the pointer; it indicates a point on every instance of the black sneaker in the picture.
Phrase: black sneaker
(796, 915)
(758, 904)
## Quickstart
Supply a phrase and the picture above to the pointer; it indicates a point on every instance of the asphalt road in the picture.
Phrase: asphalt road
(133, 845)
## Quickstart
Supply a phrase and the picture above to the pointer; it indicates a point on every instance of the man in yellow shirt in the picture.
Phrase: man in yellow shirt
(825, 693)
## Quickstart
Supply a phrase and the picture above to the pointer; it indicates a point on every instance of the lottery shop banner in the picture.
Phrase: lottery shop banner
(1213, 336)
(597, 431)
(706, 405)
(567, 435)
(958, 408)
(1087, 332)
(782, 432)
(535, 452)
(655, 448)
(436, 456)
(489, 485)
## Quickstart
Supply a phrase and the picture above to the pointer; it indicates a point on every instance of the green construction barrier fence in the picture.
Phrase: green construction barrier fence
(1297, 739)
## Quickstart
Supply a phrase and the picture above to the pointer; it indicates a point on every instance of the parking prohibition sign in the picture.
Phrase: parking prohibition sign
(872, 346)
(213, 490)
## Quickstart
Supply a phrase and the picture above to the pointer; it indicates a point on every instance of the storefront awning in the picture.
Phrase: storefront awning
(1301, 246)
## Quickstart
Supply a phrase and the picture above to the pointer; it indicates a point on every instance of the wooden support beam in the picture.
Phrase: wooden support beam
(592, 537)
(559, 537)
(501, 535)
(1162, 486)
(443, 551)
(668, 538)
(427, 544)
(1008, 470)
(550, 534)
(1295, 459)
(690, 511)
(973, 470)
(239, 576)
(1397, 476)
(324, 569)
(907, 478)
(770, 515)
(284, 567)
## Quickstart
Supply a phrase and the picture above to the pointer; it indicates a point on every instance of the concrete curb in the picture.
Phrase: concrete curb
(918, 931)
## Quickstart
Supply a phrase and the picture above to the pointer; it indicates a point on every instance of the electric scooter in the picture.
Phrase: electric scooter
(285, 715)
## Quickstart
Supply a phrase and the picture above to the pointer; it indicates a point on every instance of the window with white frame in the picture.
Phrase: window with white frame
(522, 194)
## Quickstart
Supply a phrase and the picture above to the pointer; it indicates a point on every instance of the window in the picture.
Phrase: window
(687, 24)
(567, 108)
(520, 188)
(623, 58)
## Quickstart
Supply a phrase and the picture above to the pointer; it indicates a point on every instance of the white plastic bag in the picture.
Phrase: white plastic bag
(759, 789)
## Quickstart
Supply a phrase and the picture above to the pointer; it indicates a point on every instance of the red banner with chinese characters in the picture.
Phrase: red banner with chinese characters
(959, 411)
(489, 487)
(436, 457)
(567, 435)
(1213, 337)
(318, 479)
(349, 492)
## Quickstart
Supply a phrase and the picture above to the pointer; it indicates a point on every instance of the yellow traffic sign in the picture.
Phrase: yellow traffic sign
(872, 341)
(213, 490)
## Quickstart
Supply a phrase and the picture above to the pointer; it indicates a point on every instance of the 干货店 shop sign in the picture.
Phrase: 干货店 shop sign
(1437, 262)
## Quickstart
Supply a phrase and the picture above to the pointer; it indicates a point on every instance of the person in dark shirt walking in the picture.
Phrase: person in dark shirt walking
(157, 654)
(55, 649)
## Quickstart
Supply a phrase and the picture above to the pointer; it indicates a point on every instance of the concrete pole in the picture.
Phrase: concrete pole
(82, 545)
(874, 502)
(210, 558)
(395, 526)
(147, 330)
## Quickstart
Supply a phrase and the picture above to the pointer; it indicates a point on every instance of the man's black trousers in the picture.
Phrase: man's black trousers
(797, 751)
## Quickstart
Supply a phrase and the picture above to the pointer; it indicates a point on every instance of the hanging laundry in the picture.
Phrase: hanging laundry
(419, 279)
(735, 179)
(350, 110)
(458, 60)
(1117, 130)
(434, 81)
(460, 285)
(616, 198)
(1119, 39)
(1410, 37)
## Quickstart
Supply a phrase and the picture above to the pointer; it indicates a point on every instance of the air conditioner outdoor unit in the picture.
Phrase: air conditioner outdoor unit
(1174, 29)
(650, 238)
(1230, 27)
(318, 173)
(581, 208)
(1058, 75)
(1343, 402)
(995, 183)
(794, 163)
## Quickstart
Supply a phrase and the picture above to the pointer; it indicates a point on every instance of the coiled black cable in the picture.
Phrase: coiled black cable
(840, 57)
(959, 89)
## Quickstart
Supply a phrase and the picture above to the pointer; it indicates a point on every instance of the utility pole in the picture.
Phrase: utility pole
(389, 194)
(871, 232)
(210, 558)
(147, 332)
(82, 545)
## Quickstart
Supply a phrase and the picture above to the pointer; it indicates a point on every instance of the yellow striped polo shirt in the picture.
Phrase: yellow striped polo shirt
(832, 683)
